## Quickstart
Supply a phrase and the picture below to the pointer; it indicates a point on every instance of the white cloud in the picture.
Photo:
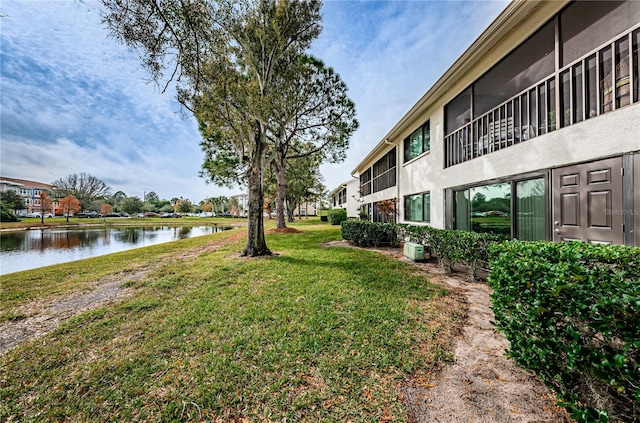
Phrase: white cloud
(74, 100)
(390, 54)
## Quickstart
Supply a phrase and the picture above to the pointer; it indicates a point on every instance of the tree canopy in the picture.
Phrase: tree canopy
(10, 201)
(84, 187)
(234, 61)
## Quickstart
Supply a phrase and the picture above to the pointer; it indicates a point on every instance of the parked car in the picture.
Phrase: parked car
(36, 214)
(87, 214)
(150, 214)
(174, 215)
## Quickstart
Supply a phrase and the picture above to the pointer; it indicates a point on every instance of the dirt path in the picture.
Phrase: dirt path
(482, 385)
(45, 316)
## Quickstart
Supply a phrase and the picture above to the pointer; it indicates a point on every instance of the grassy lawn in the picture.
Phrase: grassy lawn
(312, 334)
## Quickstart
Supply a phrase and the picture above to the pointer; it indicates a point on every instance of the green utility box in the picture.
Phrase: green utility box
(414, 251)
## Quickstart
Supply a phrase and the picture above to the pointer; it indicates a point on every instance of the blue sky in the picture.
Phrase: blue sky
(73, 100)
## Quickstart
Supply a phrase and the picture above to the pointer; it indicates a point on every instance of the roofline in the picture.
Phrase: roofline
(515, 12)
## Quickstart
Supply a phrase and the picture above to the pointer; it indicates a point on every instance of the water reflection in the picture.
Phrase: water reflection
(32, 249)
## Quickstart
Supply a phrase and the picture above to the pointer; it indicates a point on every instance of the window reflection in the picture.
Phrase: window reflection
(490, 208)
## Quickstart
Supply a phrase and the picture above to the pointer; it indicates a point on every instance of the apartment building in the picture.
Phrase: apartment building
(30, 192)
(346, 196)
(534, 132)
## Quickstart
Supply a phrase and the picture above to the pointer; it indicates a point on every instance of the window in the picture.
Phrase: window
(458, 112)
(384, 172)
(417, 143)
(342, 196)
(529, 63)
(417, 208)
(530, 209)
(365, 183)
(488, 208)
(491, 208)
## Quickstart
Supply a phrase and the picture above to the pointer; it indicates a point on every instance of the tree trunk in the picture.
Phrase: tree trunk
(256, 243)
(291, 206)
(281, 191)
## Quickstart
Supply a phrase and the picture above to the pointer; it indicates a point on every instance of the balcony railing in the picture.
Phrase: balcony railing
(587, 87)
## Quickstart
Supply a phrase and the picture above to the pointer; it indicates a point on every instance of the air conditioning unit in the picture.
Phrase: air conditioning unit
(414, 251)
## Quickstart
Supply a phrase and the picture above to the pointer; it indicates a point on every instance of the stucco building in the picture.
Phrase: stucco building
(533, 132)
(30, 192)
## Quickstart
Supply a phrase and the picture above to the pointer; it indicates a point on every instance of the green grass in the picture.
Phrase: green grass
(312, 334)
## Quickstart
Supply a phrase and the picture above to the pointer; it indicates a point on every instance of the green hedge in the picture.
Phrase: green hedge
(450, 247)
(369, 234)
(571, 312)
(337, 216)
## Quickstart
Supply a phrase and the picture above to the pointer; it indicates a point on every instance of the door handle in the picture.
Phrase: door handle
(557, 230)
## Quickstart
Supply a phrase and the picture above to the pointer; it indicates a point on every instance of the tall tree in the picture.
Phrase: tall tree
(304, 183)
(318, 120)
(227, 55)
(131, 205)
(86, 188)
(69, 205)
(152, 197)
(116, 198)
(183, 206)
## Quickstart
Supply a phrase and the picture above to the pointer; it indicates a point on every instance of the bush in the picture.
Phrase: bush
(337, 216)
(370, 234)
(7, 216)
(571, 312)
(452, 247)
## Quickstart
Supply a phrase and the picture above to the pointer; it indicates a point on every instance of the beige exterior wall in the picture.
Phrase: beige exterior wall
(353, 198)
(609, 134)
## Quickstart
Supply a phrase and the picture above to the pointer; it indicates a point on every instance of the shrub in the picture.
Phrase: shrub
(452, 247)
(369, 234)
(337, 216)
(7, 216)
(571, 312)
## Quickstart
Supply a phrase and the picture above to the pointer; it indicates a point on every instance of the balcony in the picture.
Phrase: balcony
(601, 81)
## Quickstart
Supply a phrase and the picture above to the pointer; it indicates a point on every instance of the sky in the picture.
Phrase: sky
(74, 100)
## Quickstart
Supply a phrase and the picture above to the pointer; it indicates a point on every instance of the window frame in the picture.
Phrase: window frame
(425, 142)
(383, 173)
(451, 208)
(425, 204)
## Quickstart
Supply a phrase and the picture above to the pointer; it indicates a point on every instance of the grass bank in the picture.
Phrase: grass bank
(314, 333)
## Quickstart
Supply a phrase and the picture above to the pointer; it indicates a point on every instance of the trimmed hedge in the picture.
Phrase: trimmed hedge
(337, 216)
(571, 312)
(369, 234)
(450, 247)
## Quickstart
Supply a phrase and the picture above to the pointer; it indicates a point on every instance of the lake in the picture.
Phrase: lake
(24, 250)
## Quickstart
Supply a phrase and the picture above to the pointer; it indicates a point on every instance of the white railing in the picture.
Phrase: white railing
(585, 88)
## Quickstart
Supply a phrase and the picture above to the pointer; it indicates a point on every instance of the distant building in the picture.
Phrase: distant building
(306, 209)
(243, 205)
(347, 196)
(30, 191)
